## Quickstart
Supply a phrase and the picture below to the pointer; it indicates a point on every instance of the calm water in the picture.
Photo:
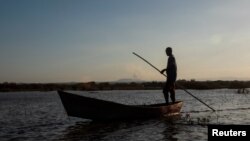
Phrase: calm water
(41, 116)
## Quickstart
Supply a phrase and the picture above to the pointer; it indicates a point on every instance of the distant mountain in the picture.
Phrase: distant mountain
(128, 80)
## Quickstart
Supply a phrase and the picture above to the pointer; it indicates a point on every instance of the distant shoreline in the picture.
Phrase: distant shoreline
(98, 86)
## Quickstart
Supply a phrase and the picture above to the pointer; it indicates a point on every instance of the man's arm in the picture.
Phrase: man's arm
(162, 71)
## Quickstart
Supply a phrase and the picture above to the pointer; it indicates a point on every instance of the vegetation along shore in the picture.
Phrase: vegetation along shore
(97, 86)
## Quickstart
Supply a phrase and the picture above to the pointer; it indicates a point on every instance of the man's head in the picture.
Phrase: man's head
(169, 51)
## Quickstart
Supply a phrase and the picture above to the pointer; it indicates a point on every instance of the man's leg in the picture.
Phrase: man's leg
(165, 92)
(172, 95)
(172, 92)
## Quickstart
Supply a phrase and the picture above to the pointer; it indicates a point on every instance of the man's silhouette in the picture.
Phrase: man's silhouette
(171, 71)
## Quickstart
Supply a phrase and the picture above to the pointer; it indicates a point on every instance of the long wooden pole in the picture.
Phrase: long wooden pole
(178, 85)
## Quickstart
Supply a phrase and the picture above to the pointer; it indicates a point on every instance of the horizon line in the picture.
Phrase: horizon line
(118, 81)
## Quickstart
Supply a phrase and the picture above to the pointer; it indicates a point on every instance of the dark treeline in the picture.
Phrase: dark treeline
(92, 86)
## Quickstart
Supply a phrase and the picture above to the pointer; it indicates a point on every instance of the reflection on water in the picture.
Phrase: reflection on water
(41, 116)
(122, 130)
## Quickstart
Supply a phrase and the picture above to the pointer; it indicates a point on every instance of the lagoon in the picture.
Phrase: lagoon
(41, 116)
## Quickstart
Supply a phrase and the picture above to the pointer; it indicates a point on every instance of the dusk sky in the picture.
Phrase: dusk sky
(93, 40)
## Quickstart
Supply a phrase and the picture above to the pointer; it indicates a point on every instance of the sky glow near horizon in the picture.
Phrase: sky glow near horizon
(92, 40)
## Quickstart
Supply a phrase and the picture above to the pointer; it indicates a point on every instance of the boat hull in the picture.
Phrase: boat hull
(96, 109)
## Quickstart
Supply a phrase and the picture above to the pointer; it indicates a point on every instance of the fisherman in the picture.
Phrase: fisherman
(171, 71)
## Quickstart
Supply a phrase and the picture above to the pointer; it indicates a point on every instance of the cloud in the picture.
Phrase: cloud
(216, 39)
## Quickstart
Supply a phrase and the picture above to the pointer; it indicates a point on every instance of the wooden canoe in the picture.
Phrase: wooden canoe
(96, 109)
